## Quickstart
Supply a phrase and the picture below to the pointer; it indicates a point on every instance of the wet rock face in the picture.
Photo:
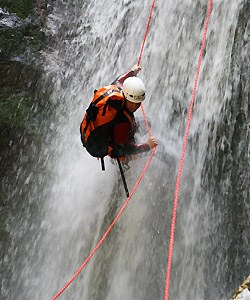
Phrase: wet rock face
(21, 39)
(23, 8)
(42, 11)
(228, 172)
(21, 109)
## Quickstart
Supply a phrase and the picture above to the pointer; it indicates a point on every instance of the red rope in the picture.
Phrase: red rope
(182, 159)
(144, 115)
(146, 32)
(126, 203)
(110, 227)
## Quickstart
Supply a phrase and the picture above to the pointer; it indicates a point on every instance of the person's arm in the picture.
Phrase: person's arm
(120, 79)
(130, 149)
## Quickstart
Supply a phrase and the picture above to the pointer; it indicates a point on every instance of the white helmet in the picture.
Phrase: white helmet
(134, 89)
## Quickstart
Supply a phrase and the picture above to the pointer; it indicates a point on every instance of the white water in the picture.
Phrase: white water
(93, 42)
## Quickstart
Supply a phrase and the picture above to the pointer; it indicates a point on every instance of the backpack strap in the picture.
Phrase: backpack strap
(104, 95)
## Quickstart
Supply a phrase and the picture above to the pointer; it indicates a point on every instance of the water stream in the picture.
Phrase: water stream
(72, 202)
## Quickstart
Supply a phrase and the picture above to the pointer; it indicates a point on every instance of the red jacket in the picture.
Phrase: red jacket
(125, 128)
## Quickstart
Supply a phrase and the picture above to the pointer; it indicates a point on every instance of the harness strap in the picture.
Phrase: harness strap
(122, 173)
(102, 164)
(123, 177)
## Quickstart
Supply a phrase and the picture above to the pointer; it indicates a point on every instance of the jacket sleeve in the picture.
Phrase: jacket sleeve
(120, 79)
(130, 149)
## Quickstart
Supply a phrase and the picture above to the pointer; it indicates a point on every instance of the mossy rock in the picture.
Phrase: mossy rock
(23, 8)
(15, 41)
(16, 77)
(14, 111)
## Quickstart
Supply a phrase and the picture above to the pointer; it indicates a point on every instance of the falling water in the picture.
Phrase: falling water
(70, 202)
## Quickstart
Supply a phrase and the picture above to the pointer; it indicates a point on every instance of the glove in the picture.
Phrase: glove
(136, 69)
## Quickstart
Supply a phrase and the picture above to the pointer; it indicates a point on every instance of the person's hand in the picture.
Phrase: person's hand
(152, 142)
(136, 69)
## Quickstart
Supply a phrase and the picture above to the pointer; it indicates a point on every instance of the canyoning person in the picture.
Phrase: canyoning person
(109, 125)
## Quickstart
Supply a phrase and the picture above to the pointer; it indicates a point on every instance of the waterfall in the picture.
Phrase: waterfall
(70, 202)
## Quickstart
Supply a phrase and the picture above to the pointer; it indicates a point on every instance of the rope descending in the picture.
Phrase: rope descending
(182, 159)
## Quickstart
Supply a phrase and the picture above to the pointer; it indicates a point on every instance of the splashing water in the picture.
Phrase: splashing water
(71, 203)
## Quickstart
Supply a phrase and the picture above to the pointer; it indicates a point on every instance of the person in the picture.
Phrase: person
(115, 137)
(133, 91)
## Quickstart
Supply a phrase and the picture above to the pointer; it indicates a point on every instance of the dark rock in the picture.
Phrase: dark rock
(21, 40)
